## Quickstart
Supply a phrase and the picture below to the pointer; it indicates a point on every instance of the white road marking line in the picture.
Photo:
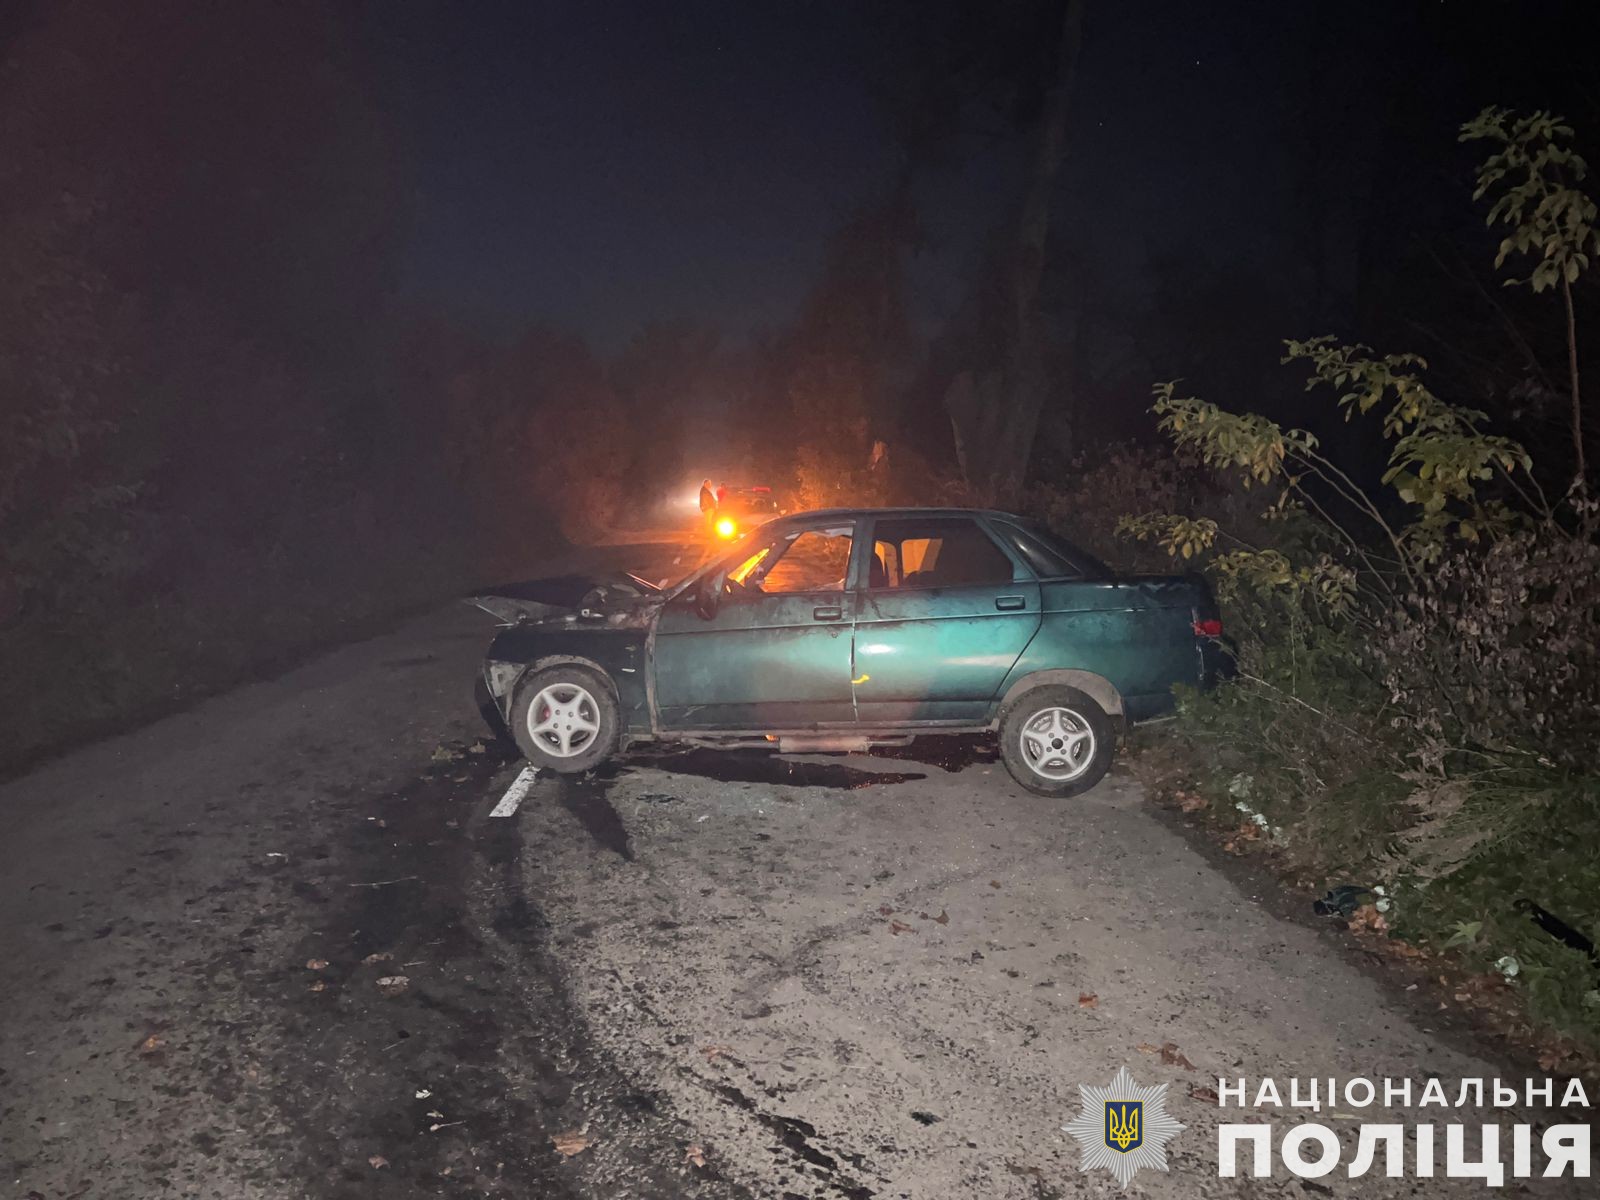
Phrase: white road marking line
(515, 793)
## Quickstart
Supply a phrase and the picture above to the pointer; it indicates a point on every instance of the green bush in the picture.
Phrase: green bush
(1418, 695)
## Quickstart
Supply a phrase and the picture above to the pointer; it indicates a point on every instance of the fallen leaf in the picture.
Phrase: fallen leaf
(393, 985)
(1173, 1057)
(316, 964)
(477, 747)
(994, 883)
(695, 1154)
(1550, 1059)
(1368, 917)
(1208, 1095)
(446, 754)
(899, 927)
(715, 1051)
(573, 1141)
(884, 910)
(373, 960)
(319, 985)
(942, 919)
(377, 1162)
(1088, 1000)
(1148, 1048)
(1191, 801)
(152, 1044)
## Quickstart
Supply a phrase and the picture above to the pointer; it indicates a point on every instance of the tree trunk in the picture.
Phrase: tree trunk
(996, 417)
(1580, 482)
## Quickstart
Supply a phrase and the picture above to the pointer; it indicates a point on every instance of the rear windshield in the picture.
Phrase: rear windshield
(1052, 557)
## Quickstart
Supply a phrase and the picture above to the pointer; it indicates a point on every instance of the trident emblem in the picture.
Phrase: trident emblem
(1123, 1132)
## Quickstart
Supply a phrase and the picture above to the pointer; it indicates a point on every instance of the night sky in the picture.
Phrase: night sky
(601, 166)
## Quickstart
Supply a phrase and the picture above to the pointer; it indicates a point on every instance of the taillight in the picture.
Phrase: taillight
(1208, 628)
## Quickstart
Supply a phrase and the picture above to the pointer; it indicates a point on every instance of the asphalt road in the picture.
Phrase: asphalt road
(275, 946)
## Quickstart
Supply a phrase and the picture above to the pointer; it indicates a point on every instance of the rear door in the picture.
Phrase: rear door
(776, 655)
(944, 612)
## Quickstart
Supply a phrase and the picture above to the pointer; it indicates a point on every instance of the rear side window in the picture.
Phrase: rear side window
(1050, 557)
(935, 552)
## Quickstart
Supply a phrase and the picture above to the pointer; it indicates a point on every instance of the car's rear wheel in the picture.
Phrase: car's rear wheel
(1056, 741)
(565, 719)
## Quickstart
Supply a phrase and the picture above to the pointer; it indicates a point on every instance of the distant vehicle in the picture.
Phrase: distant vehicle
(842, 629)
(739, 509)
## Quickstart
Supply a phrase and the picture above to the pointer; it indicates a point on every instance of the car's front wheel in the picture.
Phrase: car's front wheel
(565, 719)
(1056, 741)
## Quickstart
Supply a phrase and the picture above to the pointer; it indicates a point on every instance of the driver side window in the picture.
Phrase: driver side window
(814, 560)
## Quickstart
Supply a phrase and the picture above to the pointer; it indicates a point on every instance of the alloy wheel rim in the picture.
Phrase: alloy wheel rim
(563, 720)
(1057, 744)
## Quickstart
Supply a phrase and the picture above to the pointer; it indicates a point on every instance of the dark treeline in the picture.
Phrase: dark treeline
(222, 436)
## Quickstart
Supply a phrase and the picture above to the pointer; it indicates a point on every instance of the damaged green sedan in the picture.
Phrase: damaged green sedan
(843, 629)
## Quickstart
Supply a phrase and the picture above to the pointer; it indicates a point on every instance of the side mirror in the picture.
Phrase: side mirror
(708, 595)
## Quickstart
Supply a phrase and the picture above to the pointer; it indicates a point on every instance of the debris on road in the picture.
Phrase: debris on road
(516, 793)
(393, 985)
(573, 1141)
(1173, 1057)
(1343, 901)
(1088, 1000)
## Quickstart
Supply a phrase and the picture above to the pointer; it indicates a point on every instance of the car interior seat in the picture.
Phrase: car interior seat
(877, 575)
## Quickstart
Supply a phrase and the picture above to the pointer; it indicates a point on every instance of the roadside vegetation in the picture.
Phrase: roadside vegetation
(1418, 700)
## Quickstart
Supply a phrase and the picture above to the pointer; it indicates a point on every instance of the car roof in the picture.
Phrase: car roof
(910, 512)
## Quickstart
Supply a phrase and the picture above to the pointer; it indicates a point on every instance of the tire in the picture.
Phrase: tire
(1056, 741)
(565, 719)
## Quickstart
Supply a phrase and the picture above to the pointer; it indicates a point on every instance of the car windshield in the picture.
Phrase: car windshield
(744, 547)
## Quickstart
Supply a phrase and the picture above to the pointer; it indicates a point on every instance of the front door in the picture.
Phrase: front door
(944, 615)
(776, 653)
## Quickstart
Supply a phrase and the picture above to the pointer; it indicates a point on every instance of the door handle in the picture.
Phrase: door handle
(827, 612)
(1010, 603)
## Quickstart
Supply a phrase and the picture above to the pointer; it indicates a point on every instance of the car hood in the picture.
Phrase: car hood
(611, 599)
